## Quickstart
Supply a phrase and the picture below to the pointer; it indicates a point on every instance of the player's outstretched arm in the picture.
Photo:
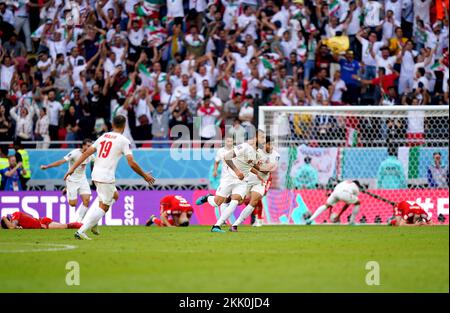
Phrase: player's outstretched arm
(54, 164)
(138, 170)
(228, 161)
(164, 220)
(9, 225)
(256, 172)
(90, 151)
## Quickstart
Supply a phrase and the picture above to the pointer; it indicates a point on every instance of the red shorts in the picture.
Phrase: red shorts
(45, 221)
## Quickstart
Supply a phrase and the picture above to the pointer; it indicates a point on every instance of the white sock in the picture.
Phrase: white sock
(92, 218)
(222, 207)
(244, 214)
(318, 212)
(355, 212)
(227, 212)
(211, 201)
(81, 213)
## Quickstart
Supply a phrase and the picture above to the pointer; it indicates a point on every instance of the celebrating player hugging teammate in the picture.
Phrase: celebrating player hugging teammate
(109, 147)
(236, 180)
(77, 183)
(347, 192)
(267, 162)
(174, 211)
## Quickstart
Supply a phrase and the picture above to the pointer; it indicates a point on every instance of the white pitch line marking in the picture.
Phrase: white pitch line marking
(50, 247)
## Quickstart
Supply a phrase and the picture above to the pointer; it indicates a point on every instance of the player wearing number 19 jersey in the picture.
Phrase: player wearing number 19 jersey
(109, 147)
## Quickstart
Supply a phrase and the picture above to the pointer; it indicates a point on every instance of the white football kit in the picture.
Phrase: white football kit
(77, 183)
(244, 160)
(110, 148)
(219, 158)
(346, 191)
(265, 159)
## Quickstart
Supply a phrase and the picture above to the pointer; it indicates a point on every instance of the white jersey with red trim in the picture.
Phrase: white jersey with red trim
(110, 148)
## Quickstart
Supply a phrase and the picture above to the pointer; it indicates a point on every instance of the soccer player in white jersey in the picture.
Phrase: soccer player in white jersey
(109, 147)
(77, 184)
(228, 146)
(233, 181)
(267, 159)
(347, 192)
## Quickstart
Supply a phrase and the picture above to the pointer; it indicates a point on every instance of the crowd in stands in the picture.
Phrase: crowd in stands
(67, 67)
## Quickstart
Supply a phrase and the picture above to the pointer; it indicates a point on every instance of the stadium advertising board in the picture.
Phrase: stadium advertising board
(280, 207)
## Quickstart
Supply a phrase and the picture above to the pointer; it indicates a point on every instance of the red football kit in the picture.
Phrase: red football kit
(173, 206)
(26, 221)
(408, 209)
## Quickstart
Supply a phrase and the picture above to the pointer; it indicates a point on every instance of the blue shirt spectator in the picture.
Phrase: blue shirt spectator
(349, 67)
(11, 175)
(437, 174)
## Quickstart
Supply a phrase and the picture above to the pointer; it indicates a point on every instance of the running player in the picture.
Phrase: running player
(239, 161)
(267, 162)
(21, 220)
(174, 211)
(347, 192)
(77, 184)
(109, 147)
(409, 213)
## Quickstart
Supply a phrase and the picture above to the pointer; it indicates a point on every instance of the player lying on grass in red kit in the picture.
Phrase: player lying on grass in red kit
(174, 211)
(409, 213)
(21, 220)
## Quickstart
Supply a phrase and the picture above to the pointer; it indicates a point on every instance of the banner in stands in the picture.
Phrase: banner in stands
(280, 207)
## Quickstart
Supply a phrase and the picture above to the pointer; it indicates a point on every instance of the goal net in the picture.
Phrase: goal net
(396, 152)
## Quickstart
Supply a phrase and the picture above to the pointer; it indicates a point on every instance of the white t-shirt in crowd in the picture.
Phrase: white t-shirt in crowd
(53, 109)
(339, 88)
(388, 63)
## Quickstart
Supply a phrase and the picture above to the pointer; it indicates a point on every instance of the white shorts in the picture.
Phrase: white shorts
(105, 192)
(344, 196)
(230, 187)
(256, 187)
(77, 188)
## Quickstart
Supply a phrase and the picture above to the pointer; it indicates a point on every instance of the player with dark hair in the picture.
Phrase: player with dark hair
(109, 148)
(267, 162)
(21, 220)
(77, 184)
(174, 211)
(409, 213)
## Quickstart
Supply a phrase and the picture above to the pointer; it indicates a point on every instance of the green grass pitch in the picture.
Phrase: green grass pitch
(265, 259)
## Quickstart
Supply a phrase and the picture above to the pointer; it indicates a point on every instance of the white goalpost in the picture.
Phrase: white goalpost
(396, 152)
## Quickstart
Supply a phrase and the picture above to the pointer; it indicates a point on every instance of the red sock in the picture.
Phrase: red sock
(74, 225)
(157, 221)
(258, 211)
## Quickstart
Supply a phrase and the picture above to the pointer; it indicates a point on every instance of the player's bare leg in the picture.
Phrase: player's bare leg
(226, 213)
(94, 229)
(319, 211)
(254, 200)
(55, 225)
(95, 215)
(336, 218)
(355, 212)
